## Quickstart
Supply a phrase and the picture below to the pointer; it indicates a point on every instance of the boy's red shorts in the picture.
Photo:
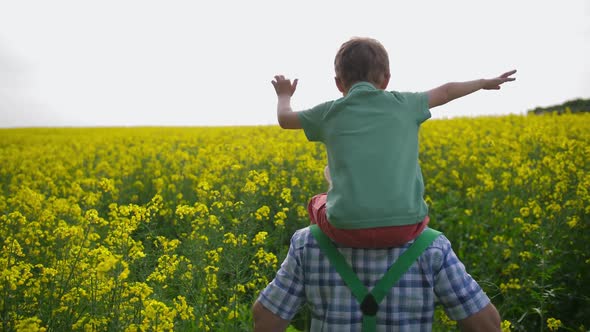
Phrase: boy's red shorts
(378, 237)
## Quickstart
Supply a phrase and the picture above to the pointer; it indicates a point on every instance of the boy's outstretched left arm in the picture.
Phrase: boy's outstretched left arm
(450, 91)
(285, 89)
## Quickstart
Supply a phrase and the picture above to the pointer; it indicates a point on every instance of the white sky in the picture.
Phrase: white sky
(159, 63)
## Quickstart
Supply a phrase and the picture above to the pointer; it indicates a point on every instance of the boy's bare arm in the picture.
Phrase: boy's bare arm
(285, 89)
(450, 91)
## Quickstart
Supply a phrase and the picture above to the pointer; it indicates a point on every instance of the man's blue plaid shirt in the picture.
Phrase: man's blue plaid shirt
(307, 276)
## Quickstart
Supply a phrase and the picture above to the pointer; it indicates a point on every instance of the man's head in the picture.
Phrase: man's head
(361, 60)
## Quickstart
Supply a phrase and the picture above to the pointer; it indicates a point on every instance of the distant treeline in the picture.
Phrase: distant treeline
(571, 106)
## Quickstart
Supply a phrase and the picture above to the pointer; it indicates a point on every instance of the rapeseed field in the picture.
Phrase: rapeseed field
(160, 229)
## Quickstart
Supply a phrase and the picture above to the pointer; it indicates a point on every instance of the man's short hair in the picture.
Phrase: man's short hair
(361, 60)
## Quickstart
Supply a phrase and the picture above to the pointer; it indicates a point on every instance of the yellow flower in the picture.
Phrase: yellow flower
(279, 223)
(441, 316)
(212, 256)
(286, 195)
(242, 239)
(31, 324)
(213, 220)
(204, 238)
(232, 315)
(553, 324)
(125, 273)
(250, 187)
(184, 311)
(280, 217)
(301, 212)
(512, 284)
(167, 245)
(506, 326)
(525, 255)
(499, 239)
(108, 262)
(572, 221)
(528, 228)
(259, 238)
(264, 258)
(241, 288)
(471, 193)
(230, 238)
(262, 213)
(157, 316)
(510, 268)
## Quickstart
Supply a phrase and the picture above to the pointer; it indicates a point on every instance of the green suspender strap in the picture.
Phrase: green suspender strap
(369, 301)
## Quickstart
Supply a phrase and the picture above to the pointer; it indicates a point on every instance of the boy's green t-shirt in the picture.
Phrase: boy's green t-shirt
(371, 137)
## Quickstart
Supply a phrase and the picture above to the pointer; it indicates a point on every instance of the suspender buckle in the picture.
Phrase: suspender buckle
(369, 306)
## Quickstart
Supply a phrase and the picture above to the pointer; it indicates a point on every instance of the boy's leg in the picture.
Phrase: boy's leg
(316, 208)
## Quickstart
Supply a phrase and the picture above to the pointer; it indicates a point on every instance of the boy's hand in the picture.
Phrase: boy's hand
(283, 86)
(284, 89)
(494, 83)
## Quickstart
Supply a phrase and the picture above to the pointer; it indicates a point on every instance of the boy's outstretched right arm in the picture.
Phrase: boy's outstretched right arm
(450, 91)
(285, 89)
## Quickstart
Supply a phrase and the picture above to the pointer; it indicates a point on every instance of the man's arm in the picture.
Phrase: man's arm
(450, 91)
(266, 321)
(487, 319)
(284, 89)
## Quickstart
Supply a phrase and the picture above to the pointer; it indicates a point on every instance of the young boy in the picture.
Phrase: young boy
(376, 190)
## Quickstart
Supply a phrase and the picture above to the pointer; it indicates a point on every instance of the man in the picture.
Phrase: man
(307, 276)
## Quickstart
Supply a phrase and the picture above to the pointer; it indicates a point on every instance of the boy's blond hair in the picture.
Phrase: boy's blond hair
(361, 60)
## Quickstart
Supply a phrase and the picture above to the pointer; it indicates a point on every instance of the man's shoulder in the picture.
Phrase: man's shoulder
(437, 253)
(301, 238)
(441, 243)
